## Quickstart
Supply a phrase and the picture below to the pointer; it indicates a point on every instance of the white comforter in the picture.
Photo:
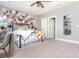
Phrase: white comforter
(27, 36)
(24, 33)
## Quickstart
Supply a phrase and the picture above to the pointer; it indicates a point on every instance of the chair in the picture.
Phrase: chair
(8, 40)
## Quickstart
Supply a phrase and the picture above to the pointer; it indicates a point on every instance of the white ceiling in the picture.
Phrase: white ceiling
(24, 6)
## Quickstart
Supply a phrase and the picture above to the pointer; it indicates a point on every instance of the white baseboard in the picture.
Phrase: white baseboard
(66, 40)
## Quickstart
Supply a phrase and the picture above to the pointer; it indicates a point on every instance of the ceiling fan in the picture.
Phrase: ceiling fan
(39, 3)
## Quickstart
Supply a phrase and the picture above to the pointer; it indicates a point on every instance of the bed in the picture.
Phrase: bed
(24, 37)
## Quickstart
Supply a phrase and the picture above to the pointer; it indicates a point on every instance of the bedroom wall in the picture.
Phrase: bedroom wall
(0, 10)
(38, 23)
(37, 20)
(72, 10)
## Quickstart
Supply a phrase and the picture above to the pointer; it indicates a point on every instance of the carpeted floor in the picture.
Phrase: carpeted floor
(48, 49)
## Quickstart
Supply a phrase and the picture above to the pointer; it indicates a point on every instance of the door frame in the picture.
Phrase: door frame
(54, 18)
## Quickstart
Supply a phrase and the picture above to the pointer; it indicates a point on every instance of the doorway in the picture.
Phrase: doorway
(48, 27)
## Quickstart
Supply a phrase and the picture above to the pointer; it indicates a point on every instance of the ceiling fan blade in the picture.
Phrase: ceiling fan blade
(41, 4)
(33, 4)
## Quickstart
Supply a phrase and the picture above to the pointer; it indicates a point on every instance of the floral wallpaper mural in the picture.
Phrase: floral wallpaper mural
(16, 17)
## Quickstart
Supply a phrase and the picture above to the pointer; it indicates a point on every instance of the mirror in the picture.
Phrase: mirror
(67, 25)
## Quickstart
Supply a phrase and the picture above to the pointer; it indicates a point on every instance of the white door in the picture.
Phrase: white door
(48, 27)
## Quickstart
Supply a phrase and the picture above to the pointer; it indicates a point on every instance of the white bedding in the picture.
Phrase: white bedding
(24, 33)
(27, 36)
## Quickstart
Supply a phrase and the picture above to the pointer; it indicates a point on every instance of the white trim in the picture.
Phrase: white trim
(52, 17)
(66, 40)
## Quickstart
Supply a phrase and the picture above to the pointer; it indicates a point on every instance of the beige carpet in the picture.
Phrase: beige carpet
(48, 49)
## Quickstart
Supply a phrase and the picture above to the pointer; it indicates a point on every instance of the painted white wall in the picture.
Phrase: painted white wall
(38, 23)
(72, 10)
